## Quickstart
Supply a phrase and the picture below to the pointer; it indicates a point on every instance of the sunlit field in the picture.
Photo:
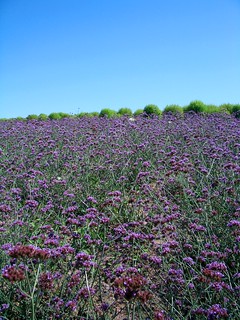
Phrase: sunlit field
(120, 218)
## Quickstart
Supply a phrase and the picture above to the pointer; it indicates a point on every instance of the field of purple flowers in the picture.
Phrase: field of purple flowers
(110, 218)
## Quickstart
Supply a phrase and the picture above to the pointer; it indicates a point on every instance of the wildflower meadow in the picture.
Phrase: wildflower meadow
(120, 218)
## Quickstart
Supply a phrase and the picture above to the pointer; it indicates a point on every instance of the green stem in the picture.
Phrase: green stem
(33, 291)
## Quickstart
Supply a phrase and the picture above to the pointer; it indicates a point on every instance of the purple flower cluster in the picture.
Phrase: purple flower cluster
(84, 260)
(13, 273)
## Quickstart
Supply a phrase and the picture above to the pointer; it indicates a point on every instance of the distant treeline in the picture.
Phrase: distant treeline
(150, 109)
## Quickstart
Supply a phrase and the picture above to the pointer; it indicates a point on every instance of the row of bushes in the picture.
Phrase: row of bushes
(151, 109)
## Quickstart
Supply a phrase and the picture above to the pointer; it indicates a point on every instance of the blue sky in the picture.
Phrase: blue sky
(86, 55)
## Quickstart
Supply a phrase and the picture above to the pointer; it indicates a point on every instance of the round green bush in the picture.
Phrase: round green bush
(138, 112)
(174, 108)
(20, 119)
(54, 116)
(93, 114)
(236, 110)
(82, 114)
(64, 115)
(226, 107)
(87, 114)
(32, 117)
(42, 116)
(152, 109)
(196, 106)
(125, 111)
(211, 108)
(107, 113)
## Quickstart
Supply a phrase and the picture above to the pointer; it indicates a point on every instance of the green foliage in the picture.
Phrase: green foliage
(107, 113)
(151, 109)
(87, 114)
(64, 115)
(125, 111)
(32, 117)
(93, 114)
(236, 108)
(196, 106)
(138, 112)
(237, 114)
(230, 109)
(226, 107)
(211, 108)
(82, 115)
(42, 117)
(59, 115)
(54, 116)
(174, 108)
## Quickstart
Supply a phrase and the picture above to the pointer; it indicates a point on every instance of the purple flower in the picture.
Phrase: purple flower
(196, 227)
(155, 259)
(217, 311)
(31, 203)
(217, 266)
(91, 199)
(28, 251)
(104, 306)
(189, 261)
(68, 194)
(146, 164)
(220, 285)
(46, 281)
(72, 304)
(3, 307)
(13, 273)
(115, 193)
(84, 260)
(5, 208)
(191, 286)
(85, 293)
(234, 223)
(75, 279)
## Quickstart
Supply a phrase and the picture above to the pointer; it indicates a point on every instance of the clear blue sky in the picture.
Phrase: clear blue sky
(86, 55)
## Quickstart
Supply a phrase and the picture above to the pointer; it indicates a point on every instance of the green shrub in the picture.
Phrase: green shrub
(174, 108)
(82, 114)
(211, 108)
(20, 119)
(107, 113)
(230, 108)
(93, 114)
(32, 117)
(87, 114)
(236, 110)
(151, 109)
(138, 112)
(64, 115)
(226, 107)
(54, 116)
(43, 117)
(196, 106)
(125, 111)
